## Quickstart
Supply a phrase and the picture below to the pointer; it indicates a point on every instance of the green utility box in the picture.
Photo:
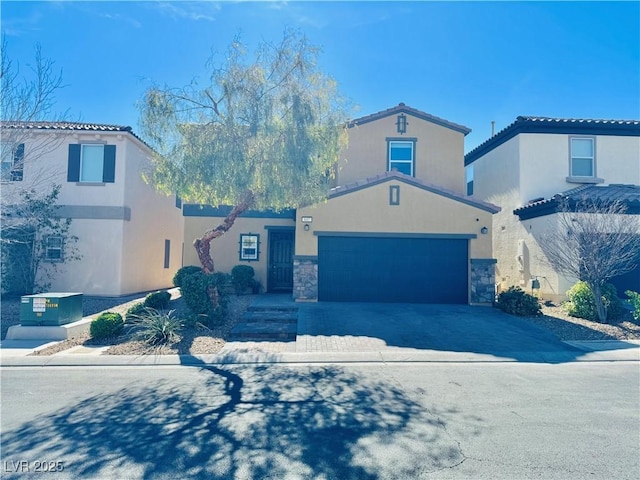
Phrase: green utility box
(50, 309)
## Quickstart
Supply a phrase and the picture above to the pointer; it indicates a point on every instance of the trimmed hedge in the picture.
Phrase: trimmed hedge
(197, 290)
(106, 325)
(157, 300)
(516, 302)
(242, 278)
(183, 272)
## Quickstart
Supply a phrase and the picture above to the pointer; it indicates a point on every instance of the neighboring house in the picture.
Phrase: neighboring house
(129, 236)
(529, 166)
(397, 227)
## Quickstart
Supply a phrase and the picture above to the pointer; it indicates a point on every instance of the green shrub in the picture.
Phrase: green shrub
(156, 327)
(242, 278)
(634, 301)
(196, 292)
(516, 302)
(157, 300)
(183, 272)
(135, 309)
(582, 304)
(106, 325)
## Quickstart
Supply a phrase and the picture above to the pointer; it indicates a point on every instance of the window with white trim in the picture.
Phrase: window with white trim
(249, 247)
(401, 157)
(53, 248)
(582, 157)
(91, 163)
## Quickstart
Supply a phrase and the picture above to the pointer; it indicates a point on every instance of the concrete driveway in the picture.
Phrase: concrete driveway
(369, 327)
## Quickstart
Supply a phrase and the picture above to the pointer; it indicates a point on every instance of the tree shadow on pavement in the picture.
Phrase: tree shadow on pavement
(246, 422)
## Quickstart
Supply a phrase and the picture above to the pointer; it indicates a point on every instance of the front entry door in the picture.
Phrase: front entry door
(280, 261)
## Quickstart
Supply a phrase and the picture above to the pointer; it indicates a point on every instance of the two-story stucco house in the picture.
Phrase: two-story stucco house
(535, 162)
(397, 227)
(129, 236)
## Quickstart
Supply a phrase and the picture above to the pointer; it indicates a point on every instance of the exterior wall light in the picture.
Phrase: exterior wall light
(307, 221)
(484, 230)
(306, 227)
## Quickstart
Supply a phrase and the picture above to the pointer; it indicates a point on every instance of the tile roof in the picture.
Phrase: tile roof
(402, 108)
(628, 195)
(387, 176)
(575, 126)
(96, 127)
(70, 126)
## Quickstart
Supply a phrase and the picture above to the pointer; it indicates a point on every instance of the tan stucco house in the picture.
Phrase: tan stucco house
(397, 226)
(129, 236)
(533, 166)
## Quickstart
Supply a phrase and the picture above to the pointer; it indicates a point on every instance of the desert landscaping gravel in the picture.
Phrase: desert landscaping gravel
(201, 340)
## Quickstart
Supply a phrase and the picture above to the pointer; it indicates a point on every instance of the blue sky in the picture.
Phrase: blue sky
(467, 62)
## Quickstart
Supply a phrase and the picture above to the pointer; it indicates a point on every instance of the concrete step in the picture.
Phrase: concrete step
(269, 317)
(275, 331)
(272, 308)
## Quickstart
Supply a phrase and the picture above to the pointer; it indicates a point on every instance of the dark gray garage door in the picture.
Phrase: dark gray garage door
(391, 269)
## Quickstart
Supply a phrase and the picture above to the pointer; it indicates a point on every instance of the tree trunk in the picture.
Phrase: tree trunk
(203, 244)
(601, 308)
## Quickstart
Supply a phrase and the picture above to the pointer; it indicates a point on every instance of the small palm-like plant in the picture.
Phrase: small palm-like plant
(156, 327)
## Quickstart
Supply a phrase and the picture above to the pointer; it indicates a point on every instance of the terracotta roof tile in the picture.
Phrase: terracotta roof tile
(70, 126)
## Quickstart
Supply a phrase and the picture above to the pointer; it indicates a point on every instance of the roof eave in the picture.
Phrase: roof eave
(402, 108)
(554, 126)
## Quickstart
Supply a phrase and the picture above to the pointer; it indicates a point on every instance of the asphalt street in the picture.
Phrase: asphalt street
(333, 421)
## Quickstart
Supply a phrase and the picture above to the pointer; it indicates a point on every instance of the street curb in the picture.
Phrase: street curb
(624, 354)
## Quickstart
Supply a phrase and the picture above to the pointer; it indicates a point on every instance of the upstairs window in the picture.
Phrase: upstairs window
(469, 178)
(12, 161)
(582, 157)
(401, 156)
(91, 163)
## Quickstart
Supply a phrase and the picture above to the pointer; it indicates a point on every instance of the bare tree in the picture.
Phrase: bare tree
(28, 212)
(594, 241)
(28, 98)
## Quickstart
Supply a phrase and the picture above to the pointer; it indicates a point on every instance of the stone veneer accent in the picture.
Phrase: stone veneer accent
(305, 278)
(483, 278)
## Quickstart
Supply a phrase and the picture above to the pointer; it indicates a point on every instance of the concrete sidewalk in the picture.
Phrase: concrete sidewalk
(12, 355)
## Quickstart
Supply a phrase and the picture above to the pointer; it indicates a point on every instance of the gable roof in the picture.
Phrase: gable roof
(398, 176)
(574, 126)
(402, 108)
(628, 195)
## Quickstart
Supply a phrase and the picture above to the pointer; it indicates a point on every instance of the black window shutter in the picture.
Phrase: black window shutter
(18, 164)
(109, 166)
(73, 167)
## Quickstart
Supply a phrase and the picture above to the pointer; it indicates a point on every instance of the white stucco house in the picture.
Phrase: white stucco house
(129, 236)
(529, 166)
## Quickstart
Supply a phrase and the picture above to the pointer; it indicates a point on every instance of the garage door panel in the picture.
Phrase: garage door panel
(386, 269)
